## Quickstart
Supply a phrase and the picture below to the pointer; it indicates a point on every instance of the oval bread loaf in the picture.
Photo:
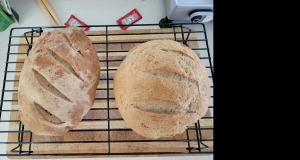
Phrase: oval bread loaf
(58, 82)
(160, 88)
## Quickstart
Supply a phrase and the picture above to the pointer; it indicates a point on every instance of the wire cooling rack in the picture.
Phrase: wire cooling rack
(102, 131)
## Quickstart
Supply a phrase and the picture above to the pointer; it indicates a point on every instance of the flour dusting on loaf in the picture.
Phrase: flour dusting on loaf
(58, 82)
(160, 88)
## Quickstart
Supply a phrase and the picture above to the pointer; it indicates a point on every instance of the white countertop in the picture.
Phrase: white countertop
(92, 12)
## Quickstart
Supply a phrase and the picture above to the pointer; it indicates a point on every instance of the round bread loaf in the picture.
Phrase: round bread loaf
(160, 88)
(58, 82)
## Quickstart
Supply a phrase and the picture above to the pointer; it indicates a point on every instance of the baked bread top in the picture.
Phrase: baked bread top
(161, 87)
(58, 82)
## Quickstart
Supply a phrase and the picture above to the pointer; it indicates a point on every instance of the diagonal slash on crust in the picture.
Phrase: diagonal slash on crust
(64, 63)
(48, 86)
(47, 115)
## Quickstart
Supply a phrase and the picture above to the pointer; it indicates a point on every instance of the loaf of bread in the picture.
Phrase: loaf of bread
(58, 82)
(160, 88)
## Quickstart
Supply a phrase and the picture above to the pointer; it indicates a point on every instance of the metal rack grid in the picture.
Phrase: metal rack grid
(24, 139)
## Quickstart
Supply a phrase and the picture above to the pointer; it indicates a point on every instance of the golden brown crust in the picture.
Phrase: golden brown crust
(58, 82)
(160, 88)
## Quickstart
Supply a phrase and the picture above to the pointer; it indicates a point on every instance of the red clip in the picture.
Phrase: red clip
(130, 18)
(73, 21)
